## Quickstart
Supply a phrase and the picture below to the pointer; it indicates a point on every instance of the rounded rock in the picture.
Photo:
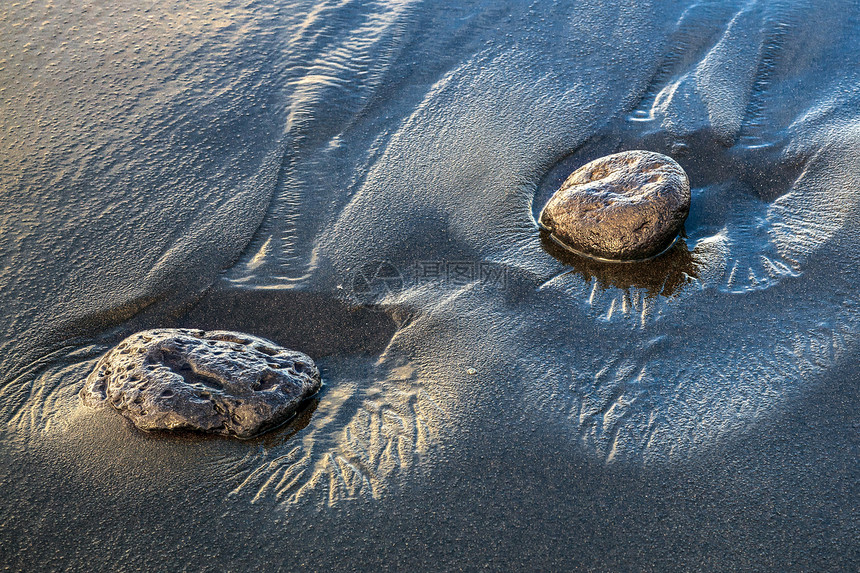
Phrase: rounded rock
(218, 382)
(623, 207)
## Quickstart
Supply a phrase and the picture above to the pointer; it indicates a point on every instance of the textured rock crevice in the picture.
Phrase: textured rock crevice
(218, 382)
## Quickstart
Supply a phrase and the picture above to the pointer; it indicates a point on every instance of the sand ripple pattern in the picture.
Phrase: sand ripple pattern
(341, 458)
(348, 50)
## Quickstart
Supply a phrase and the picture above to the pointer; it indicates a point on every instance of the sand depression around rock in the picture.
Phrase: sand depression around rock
(217, 382)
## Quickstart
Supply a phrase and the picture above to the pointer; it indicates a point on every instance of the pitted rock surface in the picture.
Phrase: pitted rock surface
(622, 207)
(219, 382)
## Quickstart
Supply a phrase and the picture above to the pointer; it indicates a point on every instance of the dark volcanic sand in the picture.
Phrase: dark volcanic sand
(360, 182)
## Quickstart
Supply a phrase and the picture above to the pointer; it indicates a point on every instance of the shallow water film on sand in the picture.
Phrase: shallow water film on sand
(360, 181)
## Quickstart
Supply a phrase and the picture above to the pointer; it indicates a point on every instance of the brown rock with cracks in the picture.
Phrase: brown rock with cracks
(219, 382)
(623, 207)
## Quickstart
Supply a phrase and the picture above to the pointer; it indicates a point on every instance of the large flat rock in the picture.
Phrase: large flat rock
(219, 382)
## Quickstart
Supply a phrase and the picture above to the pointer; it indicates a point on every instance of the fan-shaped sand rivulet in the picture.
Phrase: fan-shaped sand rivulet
(218, 382)
(623, 207)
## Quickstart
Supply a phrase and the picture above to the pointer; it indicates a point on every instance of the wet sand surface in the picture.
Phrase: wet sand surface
(360, 182)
